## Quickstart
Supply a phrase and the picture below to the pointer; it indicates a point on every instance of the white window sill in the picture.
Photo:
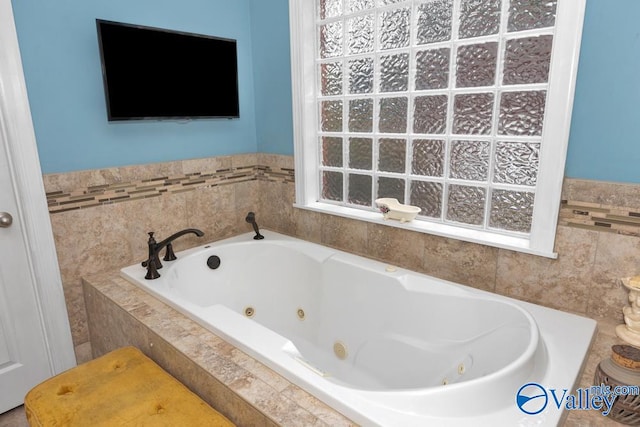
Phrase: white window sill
(513, 243)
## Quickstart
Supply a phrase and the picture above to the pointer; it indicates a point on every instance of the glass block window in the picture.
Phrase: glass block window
(442, 104)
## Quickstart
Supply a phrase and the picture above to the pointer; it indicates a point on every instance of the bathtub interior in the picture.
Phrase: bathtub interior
(384, 346)
(391, 339)
(247, 272)
(355, 323)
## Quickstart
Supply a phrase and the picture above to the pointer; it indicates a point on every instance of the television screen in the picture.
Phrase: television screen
(151, 73)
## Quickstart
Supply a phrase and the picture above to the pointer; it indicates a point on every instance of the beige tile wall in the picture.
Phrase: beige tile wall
(100, 220)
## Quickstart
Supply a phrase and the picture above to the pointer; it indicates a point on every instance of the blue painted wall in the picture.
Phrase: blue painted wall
(62, 69)
(605, 142)
(272, 75)
(60, 56)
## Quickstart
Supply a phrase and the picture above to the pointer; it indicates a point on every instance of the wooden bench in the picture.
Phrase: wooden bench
(121, 388)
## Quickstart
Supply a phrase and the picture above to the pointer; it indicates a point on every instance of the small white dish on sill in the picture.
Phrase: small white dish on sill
(392, 209)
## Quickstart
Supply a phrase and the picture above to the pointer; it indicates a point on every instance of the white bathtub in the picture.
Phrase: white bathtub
(382, 345)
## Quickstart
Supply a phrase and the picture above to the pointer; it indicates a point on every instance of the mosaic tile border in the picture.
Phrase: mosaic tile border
(88, 197)
(599, 217)
(588, 215)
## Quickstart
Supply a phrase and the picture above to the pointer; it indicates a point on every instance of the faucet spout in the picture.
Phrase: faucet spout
(174, 236)
(153, 262)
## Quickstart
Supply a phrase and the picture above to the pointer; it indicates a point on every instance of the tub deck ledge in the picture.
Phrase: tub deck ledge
(242, 388)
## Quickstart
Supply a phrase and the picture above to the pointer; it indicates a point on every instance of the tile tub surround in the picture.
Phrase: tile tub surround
(234, 383)
(214, 194)
(243, 389)
(100, 218)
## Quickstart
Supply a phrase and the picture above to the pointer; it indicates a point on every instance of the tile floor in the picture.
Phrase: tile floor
(14, 418)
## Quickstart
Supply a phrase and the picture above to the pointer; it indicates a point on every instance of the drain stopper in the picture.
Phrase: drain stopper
(213, 262)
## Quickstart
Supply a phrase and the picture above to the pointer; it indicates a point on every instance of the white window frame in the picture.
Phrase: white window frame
(555, 134)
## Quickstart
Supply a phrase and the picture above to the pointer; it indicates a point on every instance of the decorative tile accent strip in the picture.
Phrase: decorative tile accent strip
(82, 198)
(594, 216)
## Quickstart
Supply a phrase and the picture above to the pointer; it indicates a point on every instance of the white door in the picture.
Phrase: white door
(23, 355)
(35, 339)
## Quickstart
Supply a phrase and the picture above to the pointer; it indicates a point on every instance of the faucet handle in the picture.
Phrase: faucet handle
(169, 255)
(152, 256)
(151, 241)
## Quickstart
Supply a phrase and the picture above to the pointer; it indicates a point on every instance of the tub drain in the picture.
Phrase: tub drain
(340, 350)
(301, 314)
(249, 311)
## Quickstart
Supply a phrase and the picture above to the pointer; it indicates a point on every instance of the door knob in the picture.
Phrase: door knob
(5, 219)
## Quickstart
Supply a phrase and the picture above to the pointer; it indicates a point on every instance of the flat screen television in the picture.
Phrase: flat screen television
(153, 73)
